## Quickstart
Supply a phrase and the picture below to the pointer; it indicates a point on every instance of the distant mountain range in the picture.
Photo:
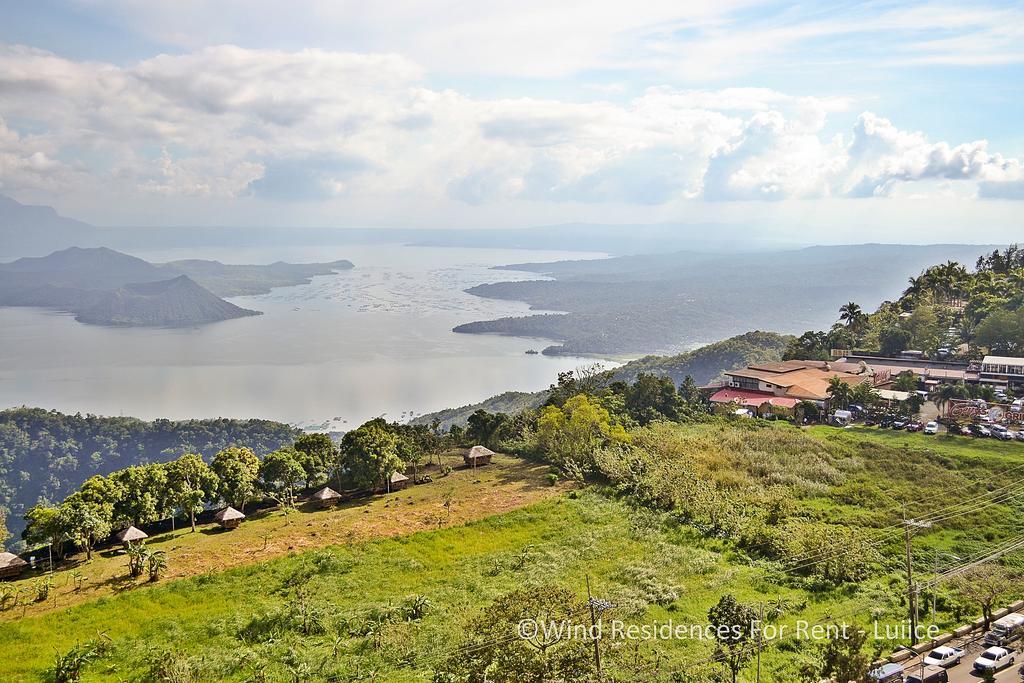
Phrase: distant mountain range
(37, 230)
(105, 287)
(668, 302)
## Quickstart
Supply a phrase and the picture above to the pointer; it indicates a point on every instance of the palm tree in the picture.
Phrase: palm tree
(850, 313)
(838, 392)
(944, 394)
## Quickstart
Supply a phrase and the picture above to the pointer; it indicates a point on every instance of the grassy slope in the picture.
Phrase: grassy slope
(510, 484)
(461, 568)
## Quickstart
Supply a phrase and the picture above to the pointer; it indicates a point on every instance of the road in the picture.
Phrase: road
(963, 672)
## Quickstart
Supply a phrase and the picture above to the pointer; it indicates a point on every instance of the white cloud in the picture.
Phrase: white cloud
(315, 125)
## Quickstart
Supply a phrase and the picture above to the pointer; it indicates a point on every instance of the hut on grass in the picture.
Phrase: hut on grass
(397, 482)
(229, 518)
(11, 565)
(326, 497)
(129, 536)
(478, 455)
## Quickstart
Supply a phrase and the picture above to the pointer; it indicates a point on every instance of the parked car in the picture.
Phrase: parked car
(1005, 630)
(994, 659)
(1000, 432)
(1019, 435)
(931, 674)
(914, 426)
(944, 656)
(979, 431)
(899, 424)
(931, 428)
(887, 673)
(886, 422)
(966, 431)
(870, 421)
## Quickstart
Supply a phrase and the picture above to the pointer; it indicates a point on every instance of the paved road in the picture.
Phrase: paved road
(963, 673)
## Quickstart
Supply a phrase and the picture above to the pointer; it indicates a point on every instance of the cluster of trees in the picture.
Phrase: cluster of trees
(983, 307)
(142, 494)
(46, 455)
(586, 410)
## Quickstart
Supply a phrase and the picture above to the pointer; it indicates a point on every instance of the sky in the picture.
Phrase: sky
(890, 121)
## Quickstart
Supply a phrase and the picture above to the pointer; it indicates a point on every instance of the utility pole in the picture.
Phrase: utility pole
(912, 592)
(593, 630)
(760, 624)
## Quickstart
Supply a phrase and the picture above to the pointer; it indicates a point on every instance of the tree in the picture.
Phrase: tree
(484, 428)
(84, 521)
(142, 493)
(893, 340)
(571, 435)
(370, 456)
(905, 381)
(497, 649)
(652, 398)
(854, 318)
(45, 526)
(280, 471)
(317, 455)
(1002, 332)
(237, 471)
(986, 585)
(944, 394)
(838, 392)
(191, 483)
(733, 625)
(863, 394)
(844, 658)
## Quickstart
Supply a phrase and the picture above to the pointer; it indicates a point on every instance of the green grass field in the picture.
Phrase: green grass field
(233, 624)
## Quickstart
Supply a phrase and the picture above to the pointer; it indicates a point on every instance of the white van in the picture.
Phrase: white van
(1005, 630)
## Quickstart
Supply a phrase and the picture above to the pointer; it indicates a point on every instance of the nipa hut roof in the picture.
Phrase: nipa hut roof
(8, 560)
(131, 534)
(326, 493)
(397, 477)
(228, 514)
(480, 451)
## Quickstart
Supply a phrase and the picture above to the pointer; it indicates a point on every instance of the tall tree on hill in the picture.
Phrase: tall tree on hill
(370, 456)
(317, 455)
(280, 472)
(191, 483)
(651, 398)
(85, 521)
(143, 490)
(237, 471)
(45, 526)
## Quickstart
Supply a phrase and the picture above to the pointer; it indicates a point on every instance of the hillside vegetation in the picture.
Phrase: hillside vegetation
(45, 455)
(702, 365)
(648, 543)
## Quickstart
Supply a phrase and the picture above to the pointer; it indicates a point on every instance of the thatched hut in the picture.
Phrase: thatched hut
(478, 455)
(397, 482)
(326, 497)
(11, 565)
(229, 518)
(129, 536)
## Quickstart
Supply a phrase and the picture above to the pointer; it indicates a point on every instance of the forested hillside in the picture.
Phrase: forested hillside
(46, 454)
(701, 365)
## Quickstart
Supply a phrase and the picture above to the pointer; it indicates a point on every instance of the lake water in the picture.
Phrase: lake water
(345, 348)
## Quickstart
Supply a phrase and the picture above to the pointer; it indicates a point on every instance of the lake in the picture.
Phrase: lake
(373, 341)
